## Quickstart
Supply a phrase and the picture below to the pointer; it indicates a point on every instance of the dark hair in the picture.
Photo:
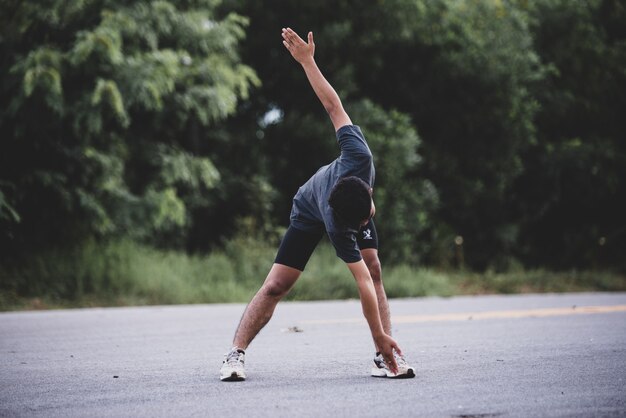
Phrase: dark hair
(351, 201)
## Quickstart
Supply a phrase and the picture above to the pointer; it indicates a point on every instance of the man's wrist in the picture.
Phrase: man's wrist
(307, 62)
(378, 334)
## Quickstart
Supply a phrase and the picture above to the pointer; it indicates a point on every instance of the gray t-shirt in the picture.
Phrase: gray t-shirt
(311, 210)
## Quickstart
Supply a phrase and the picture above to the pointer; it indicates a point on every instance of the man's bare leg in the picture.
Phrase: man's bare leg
(279, 281)
(370, 256)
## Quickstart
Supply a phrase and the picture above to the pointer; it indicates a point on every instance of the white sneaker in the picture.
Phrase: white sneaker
(232, 369)
(380, 368)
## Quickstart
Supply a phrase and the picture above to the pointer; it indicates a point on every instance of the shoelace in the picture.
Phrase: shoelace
(232, 358)
(400, 361)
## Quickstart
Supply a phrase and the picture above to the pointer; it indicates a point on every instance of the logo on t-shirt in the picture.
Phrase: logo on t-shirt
(367, 233)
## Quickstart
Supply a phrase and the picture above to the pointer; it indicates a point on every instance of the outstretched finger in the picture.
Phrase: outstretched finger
(391, 362)
(311, 37)
(293, 36)
(395, 347)
(287, 45)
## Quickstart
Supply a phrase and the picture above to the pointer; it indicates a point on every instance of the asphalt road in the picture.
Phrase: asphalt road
(519, 356)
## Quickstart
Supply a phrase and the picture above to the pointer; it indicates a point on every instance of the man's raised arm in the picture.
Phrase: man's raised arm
(303, 52)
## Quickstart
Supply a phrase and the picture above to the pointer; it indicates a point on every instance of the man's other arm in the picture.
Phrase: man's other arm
(369, 303)
(304, 52)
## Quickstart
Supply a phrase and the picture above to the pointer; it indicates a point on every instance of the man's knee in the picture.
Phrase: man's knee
(280, 280)
(375, 270)
(373, 264)
(275, 288)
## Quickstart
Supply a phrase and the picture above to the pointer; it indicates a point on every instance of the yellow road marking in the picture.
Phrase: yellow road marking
(527, 313)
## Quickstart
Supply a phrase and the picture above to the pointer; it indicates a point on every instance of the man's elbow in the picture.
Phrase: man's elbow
(338, 115)
(333, 109)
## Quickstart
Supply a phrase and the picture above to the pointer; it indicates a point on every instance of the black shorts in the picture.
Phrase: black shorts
(297, 245)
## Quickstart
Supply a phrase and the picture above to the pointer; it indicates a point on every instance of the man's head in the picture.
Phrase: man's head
(351, 201)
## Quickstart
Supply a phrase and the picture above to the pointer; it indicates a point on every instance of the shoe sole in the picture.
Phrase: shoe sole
(410, 373)
(234, 377)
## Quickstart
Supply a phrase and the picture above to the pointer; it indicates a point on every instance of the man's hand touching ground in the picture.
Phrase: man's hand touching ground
(387, 345)
(301, 51)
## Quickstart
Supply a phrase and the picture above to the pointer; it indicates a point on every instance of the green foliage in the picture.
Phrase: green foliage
(404, 202)
(462, 71)
(495, 89)
(498, 121)
(100, 100)
(570, 198)
(112, 97)
(7, 212)
(126, 273)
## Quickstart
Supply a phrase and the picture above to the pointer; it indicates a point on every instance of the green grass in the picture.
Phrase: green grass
(125, 273)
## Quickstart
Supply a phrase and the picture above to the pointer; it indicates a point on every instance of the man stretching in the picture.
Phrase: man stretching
(338, 200)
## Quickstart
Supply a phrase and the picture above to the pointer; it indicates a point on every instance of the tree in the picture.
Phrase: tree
(461, 70)
(301, 139)
(570, 198)
(405, 202)
(105, 109)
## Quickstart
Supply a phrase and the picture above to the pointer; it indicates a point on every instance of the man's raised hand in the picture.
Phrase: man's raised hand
(301, 51)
